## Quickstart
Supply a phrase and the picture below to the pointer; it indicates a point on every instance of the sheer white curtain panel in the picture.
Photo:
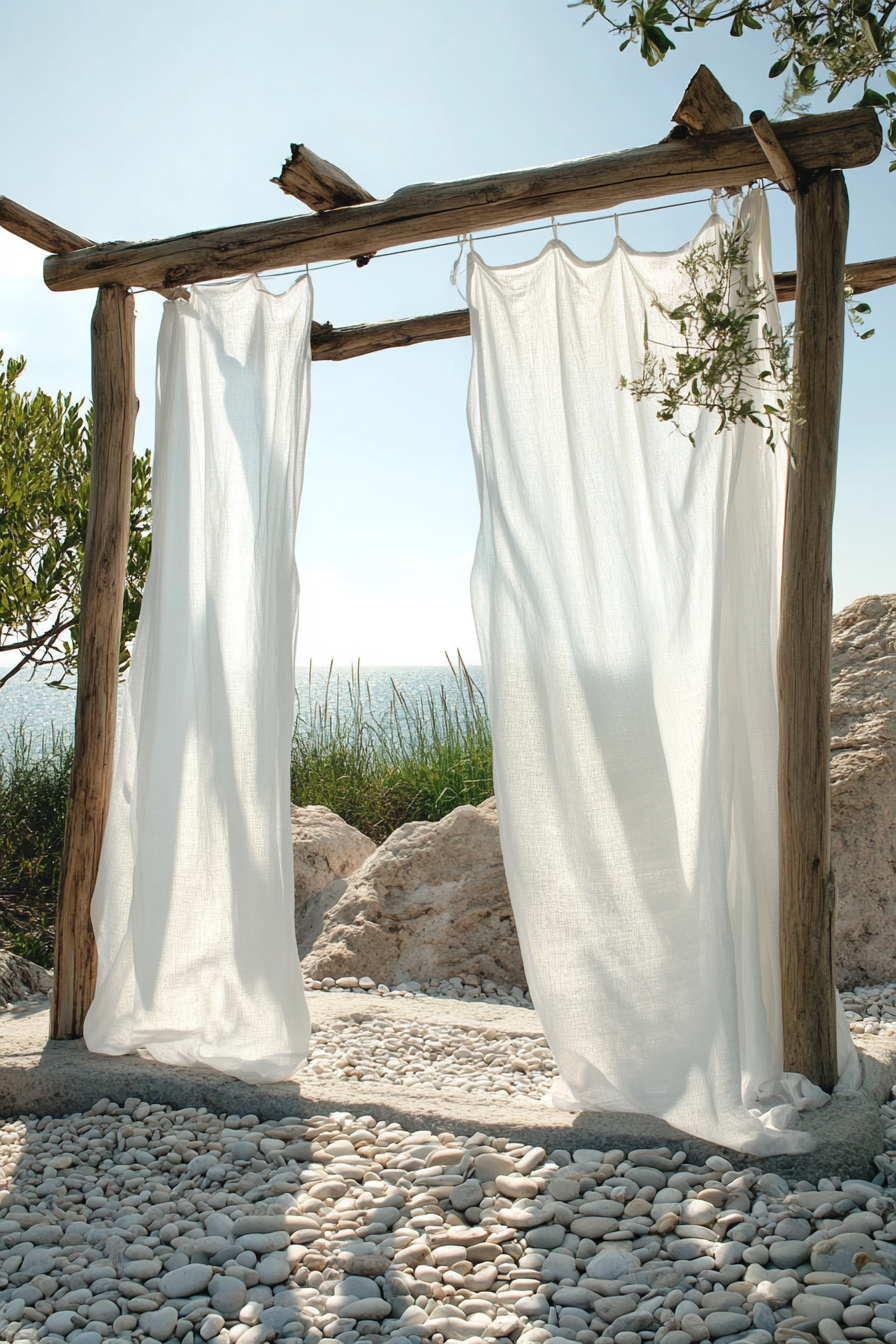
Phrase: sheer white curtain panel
(625, 590)
(193, 911)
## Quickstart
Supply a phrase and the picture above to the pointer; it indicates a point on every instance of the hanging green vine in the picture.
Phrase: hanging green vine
(729, 361)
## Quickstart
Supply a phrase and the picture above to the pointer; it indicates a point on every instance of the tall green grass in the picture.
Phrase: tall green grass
(33, 800)
(416, 761)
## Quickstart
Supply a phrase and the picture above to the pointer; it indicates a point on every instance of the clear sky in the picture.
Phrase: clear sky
(143, 120)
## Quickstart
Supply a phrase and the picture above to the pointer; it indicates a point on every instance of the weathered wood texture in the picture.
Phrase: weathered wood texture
(102, 593)
(861, 276)
(706, 107)
(445, 209)
(807, 891)
(318, 183)
(770, 145)
(43, 233)
(329, 342)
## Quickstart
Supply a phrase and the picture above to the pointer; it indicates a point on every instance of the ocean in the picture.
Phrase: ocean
(42, 711)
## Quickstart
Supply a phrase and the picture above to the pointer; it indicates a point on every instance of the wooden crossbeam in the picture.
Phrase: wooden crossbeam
(34, 228)
(771, 147)
(444, 209)
(318, 183)
(329, 342)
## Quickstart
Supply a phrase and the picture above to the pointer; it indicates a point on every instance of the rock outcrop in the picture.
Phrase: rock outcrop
(430, 903)
(19, 978)
(325, 852)
(863, 790)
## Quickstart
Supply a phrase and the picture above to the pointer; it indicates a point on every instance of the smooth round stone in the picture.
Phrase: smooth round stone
(789, 1254)
(257, 1334)
(795, 1229)
(687, 1249)
(601, 1208)
(837, 1254)
(354, 1287)
(764, 1317)
(187, 1281)
(756, 1255)
(721, 1323)
(516, 1187)
(676, 1337)
(329, 1190)
(85, 1337)
(611, 1262)
(212, 1325)
(829, 1331)
(63, 1322)
(816, 1308)
(558, 1265)
(107, 1312)
(273, 1268)
(694, 1327)
(365, 1309)
(627, 1337)
(695, 1231)
(466, 1195)
(647, 1176)
(595, 1228)
(159, 1324)
(490, 1165)
(699, 1212)
(862, 1222)
(564, 1188)
(536, 1305)
(228, 1294)
(262, 1243)
(573, 1297)
(545, 1238)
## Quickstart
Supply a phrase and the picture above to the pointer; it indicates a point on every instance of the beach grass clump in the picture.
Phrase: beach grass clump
(415, 761)
(34, 784)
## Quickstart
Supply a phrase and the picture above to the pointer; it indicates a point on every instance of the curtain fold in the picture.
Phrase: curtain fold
(193, 910)
(625, 590)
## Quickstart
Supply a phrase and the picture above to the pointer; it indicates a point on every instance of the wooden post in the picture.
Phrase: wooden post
(807, 891)
(102, 595)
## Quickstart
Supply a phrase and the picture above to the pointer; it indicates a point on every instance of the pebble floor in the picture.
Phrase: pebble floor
(144, 1223)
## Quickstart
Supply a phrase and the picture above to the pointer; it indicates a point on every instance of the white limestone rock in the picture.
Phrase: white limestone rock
(430, 903)
(863, 790)
(19, 978)
(325, 852)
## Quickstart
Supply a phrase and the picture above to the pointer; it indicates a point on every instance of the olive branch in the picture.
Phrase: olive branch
(729, 361)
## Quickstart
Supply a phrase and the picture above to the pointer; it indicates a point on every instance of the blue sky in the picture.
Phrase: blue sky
(139, 121)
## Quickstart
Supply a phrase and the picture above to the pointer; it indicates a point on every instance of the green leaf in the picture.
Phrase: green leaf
(892, 78)
(779, 67)
(871, 98)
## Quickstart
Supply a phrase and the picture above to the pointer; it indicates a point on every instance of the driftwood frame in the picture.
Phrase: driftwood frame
(709, 147)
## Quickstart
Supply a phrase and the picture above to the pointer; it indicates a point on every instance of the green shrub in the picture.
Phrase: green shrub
(416, 762)
(33, 801)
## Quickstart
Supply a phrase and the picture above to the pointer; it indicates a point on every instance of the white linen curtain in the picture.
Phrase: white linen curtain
(625, 590)
(193, 911)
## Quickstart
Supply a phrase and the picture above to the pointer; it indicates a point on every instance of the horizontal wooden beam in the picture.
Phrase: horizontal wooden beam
(43, 233)
(328, 342)
(318, 183)
(444, 209)
(861, 276)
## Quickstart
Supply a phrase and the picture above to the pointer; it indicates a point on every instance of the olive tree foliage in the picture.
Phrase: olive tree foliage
(823, 44)
(45, 446)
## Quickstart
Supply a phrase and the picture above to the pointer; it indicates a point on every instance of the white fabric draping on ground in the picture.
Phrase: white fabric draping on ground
(625, 590)
(193, 910)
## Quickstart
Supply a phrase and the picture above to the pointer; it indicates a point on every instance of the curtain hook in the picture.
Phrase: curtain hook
(554, 228)
(714, 203)
(616, 224)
